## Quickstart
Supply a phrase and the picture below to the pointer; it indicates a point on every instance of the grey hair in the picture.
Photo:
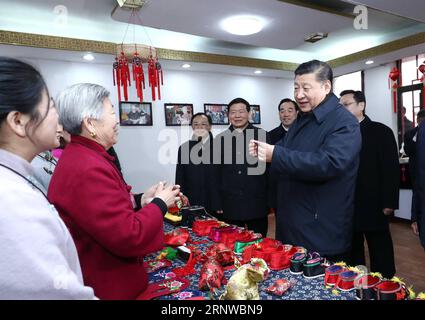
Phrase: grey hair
(83, 100)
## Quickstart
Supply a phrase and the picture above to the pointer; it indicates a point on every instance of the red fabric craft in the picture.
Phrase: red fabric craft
(202, 228)
(332, 273)
(230, 238)
(163, 288)
(272, 251)
(181, 203)
(216, 233)
(279, 287)
(222, 254)
(155, 265)
(196, 256)
(390, 290)
(212, 275)
(177, 237)
(346, 280)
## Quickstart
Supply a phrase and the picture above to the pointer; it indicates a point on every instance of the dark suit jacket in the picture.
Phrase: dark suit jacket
(318, 165)
(410, 149)
(277, 134)
(243, 194)
(420, 183)
(377, 184)
(197, 180)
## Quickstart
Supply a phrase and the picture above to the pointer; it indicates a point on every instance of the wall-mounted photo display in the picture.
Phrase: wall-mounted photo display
(135, 113)
(178, 114)
(255, 117)
(219, 113)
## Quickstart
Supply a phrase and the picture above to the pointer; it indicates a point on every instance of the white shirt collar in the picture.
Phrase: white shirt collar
(16, 163)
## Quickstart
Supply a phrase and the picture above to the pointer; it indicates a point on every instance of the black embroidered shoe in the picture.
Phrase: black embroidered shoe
(297, 262)
(314, 266)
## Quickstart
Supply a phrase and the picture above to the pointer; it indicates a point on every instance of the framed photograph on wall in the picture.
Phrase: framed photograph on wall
(255, 114)
(178, 114)
(135, 113)
(219, 113)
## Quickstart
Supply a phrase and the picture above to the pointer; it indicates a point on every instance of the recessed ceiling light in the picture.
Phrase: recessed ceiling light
(369, 62)
(258, 72)
(242, 25)
(88, 57)
(186, 65)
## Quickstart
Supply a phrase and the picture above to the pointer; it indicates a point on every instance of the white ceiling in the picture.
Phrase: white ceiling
(193, 25)
(414, 9)
(282, 29)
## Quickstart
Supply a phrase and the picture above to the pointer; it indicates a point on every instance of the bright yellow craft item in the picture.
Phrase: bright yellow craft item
(173, 217)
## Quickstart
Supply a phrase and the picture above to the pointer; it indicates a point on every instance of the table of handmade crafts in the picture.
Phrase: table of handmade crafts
(173, 279)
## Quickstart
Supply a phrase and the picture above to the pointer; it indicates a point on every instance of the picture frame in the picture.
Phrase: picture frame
(219, 113)
(135, 113)
(178, 114)
(255, 114)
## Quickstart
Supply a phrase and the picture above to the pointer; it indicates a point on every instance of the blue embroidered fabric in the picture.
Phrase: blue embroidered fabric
(303, 289)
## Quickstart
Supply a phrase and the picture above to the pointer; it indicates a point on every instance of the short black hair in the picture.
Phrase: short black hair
(358, 96)
(421, 114)
(201, 114)
(240, 100)
(288, 100)
(322, 70)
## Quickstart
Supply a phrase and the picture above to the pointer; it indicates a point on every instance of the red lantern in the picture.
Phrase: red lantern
(393, 76)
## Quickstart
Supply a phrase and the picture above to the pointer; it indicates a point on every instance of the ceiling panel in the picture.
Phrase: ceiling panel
(413, 9)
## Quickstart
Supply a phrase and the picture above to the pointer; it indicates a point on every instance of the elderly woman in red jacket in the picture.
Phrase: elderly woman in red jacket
(95, 202)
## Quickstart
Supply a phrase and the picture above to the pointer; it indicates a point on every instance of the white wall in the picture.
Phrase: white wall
(141, 149)
(379, 104)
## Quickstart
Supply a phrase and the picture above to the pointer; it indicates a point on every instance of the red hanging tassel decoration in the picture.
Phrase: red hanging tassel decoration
(138, 76)
(124, 74)
(152, 76)
(394, 74)
(122, 77)
(116, 75)
(159, 75)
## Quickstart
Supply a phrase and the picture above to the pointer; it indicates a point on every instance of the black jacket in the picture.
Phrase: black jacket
(410, 150)
(243, 193)
(277, 134)
(377, 184)
(419, 214)
(196, 176)
(317, 167)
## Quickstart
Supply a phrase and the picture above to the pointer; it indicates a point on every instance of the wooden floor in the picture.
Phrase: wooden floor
(409, 254)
